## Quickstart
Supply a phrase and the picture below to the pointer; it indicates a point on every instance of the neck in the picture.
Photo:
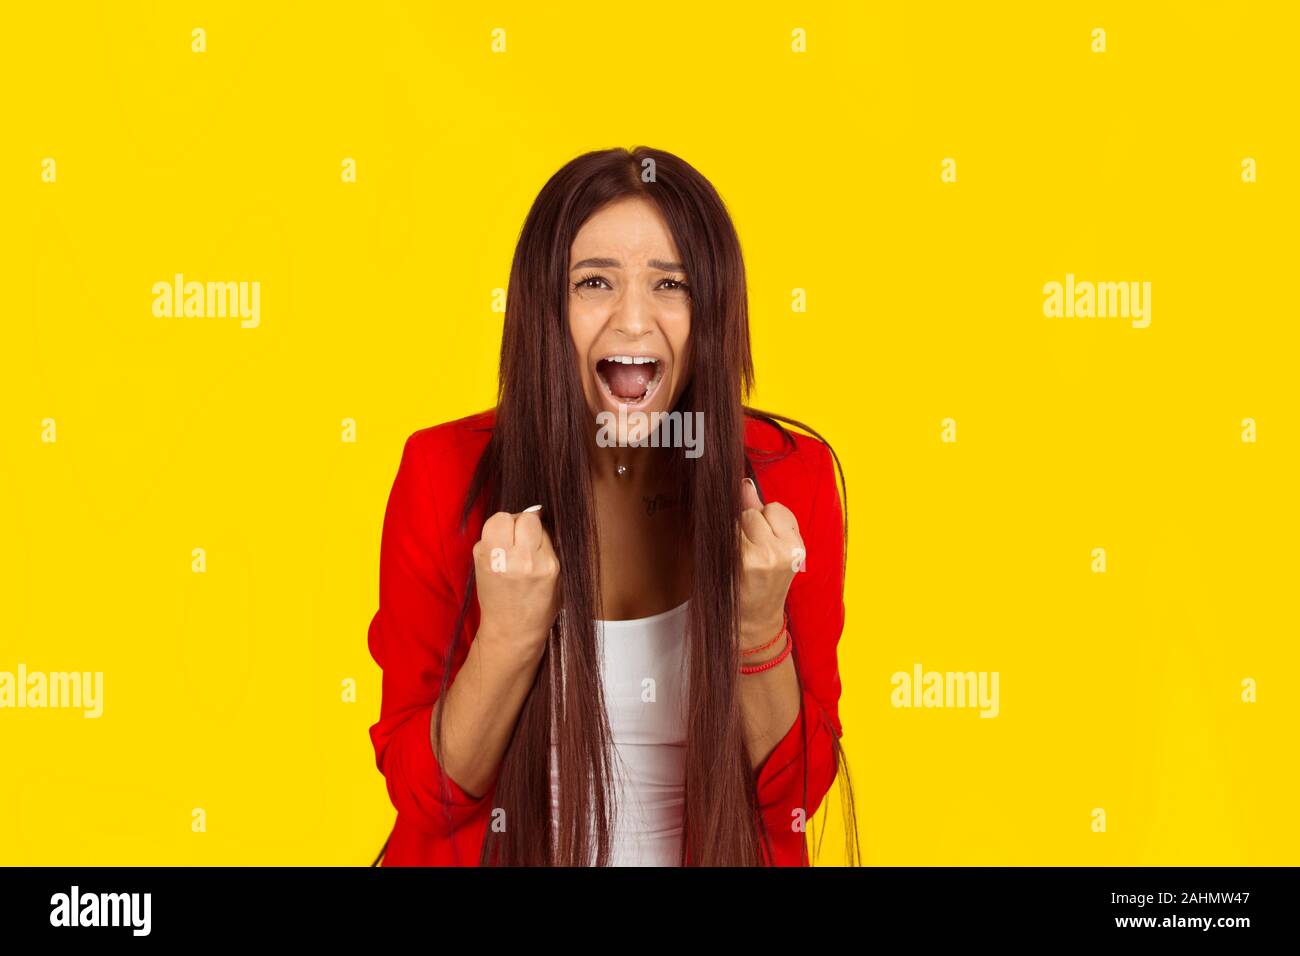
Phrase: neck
(644, 468)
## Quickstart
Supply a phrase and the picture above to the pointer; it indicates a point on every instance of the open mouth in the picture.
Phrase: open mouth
(630, 379)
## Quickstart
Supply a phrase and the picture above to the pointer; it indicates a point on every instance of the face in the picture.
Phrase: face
(629, 310)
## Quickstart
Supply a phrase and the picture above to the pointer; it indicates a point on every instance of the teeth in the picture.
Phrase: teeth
(630, 359)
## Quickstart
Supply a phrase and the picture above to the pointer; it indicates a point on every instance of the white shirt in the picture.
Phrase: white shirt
(644, 669)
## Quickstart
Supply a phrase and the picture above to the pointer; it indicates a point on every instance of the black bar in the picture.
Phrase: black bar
(972, 904)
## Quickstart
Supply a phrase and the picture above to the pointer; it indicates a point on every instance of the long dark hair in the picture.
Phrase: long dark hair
(538, 453)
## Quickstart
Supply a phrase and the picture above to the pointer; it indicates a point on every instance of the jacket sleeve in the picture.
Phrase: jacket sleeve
(815, 606)
(409, 637)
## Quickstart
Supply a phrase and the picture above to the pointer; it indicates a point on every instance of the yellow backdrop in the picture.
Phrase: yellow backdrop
(1100, 511)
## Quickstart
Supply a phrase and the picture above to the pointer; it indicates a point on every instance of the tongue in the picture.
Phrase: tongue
(627, 381)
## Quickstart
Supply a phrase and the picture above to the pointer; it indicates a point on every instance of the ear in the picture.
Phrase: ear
(749, 496)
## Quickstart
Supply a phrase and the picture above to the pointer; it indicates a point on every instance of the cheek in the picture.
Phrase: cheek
(584, 325)
(682, 356)
(582, 338)
(683, 376)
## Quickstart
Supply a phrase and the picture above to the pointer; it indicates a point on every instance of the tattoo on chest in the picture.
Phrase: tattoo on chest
(657, 503)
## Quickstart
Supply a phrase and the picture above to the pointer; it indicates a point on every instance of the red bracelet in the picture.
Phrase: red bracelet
(759, 668)
(785, 624)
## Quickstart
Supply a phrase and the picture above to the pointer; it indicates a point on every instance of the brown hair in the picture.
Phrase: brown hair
(537, 453)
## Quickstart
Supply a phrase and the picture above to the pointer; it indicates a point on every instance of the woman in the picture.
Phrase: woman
(600, 646)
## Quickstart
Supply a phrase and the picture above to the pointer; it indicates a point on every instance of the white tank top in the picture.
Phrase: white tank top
(645, 677)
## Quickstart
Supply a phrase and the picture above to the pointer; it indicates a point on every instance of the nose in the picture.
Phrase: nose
(633, 315)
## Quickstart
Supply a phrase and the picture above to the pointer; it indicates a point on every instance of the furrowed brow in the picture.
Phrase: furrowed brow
(603, 263)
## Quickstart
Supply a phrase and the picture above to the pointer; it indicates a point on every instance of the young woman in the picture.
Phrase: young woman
(604, 643)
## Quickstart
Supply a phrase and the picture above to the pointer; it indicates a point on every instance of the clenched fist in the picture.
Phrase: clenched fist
(516, 574)
(772, 552)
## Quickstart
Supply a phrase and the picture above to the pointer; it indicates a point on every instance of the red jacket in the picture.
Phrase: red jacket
(424, 560)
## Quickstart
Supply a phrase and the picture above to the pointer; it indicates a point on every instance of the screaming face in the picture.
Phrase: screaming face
(629, 310)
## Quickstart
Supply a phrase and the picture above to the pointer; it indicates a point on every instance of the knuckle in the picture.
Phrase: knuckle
(784, 517)
(497, 526)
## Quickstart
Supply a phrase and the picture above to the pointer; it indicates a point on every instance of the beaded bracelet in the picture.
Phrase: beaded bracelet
(759, 668)
(789, 644)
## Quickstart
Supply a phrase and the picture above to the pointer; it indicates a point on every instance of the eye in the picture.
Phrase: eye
(586, 282)
(676, 285)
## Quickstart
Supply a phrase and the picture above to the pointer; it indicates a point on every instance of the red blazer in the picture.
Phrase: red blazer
(424, 560)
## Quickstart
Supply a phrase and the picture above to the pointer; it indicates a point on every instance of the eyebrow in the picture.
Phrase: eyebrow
(598, 263)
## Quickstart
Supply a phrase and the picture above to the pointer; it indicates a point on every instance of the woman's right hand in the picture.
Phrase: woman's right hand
(516, 575)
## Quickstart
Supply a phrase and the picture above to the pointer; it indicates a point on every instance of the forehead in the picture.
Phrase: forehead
(628, 228)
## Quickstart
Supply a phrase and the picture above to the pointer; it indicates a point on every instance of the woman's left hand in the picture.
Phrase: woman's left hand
(772, 552)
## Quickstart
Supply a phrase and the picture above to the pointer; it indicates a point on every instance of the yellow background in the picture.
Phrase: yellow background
(222, 690)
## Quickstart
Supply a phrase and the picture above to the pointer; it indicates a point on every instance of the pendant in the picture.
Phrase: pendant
(621, 470)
